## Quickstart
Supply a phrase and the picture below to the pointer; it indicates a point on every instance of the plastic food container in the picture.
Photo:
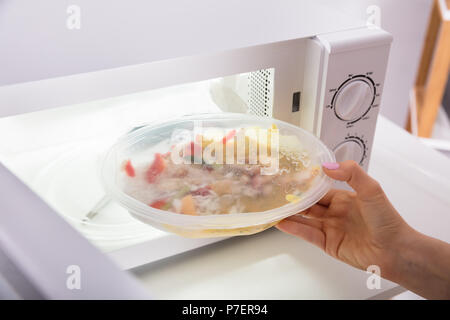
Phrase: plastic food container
(142, 145)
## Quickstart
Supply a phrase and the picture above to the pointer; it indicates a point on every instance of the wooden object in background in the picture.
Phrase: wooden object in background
(434, 67)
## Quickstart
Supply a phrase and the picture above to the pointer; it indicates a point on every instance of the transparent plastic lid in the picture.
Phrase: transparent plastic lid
(216, 172)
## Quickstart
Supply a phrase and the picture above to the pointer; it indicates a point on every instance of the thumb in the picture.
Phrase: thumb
(349, 171)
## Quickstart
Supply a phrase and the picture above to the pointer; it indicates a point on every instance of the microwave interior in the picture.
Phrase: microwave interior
(58, 152)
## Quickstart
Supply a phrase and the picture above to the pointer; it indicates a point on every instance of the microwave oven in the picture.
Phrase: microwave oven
(55, 130)
(330, 85)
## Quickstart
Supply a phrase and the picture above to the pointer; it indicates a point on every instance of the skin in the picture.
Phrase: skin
(362, 228)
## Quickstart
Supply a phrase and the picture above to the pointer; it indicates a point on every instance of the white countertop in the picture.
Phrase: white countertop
(273, 265)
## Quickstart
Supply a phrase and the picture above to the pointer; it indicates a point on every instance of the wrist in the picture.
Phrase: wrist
(421, 264)
(400, 253)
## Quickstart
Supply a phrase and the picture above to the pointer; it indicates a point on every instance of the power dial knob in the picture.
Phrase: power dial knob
(354, 98)
(352, 148)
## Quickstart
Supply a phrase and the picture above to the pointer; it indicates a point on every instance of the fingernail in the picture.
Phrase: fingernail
(331, 165)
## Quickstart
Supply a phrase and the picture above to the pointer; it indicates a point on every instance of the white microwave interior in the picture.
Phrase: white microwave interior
(57, 152)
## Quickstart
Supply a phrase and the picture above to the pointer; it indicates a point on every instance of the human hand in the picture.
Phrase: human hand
(360, 228)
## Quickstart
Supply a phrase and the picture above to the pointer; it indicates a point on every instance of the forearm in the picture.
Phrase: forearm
(422, 264)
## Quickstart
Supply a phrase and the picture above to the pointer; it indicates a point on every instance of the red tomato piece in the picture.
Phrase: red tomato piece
(156, 168)
(158, 204)
(229, 136)
(129, 169)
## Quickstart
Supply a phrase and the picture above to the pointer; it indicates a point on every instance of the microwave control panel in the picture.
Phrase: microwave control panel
(355, 64)
(351, 103)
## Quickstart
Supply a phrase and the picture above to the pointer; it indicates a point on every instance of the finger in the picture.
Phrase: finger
(326, 199)
(303, 231)
(317, 211)
(350, 172)
(306, 220)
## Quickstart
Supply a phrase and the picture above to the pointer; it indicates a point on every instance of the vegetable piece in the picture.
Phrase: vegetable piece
(129, 169)
(183, 191)
(292, 198)
(158, 204)
(187, 205)
(156, 168)
(166, 206)
(229, 136)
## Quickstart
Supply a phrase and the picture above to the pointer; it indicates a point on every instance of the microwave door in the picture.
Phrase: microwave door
(43, 257)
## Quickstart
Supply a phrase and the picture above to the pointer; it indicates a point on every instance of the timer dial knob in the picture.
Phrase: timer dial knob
(351, 149)
(354, 99)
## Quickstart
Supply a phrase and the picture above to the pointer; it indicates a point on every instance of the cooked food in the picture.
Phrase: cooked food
(233, 183)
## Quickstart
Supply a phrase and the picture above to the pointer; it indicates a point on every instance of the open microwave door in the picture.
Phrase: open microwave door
(43, 257)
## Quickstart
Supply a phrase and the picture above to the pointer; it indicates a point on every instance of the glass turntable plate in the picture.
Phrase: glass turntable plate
(70, 184)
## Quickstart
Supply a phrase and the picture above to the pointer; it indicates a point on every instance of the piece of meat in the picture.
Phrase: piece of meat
(204, 191)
